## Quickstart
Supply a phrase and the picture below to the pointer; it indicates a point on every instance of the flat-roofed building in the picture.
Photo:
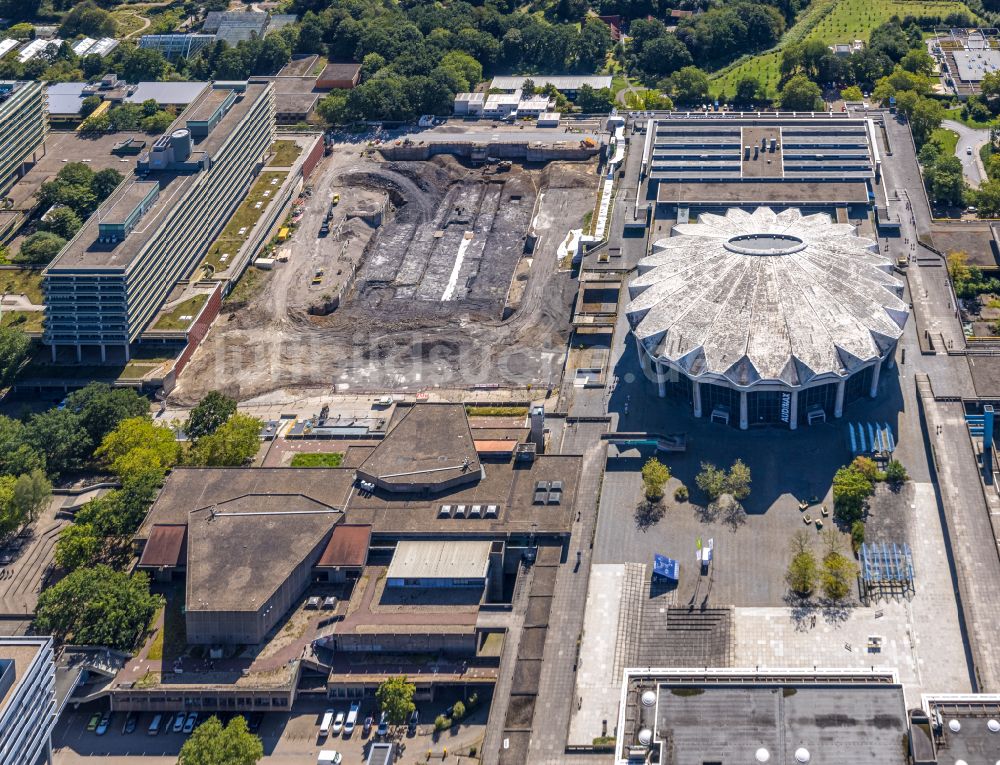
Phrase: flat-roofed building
(339, 77)
(110, 280)
(462, 563)
(23, 127)
(569, 85)
(27, 700)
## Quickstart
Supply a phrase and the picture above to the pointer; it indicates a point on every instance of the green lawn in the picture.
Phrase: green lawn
(947, 138)
(22, 282)
(496, 411)
(285, 153)
(189, 307)
(956, 114)
(830, 21)
(318, 459)
(245, 217)
(29, 321)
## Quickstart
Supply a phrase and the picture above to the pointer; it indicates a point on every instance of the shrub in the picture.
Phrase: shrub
(867, 468)
(895, 473)
(851, 489)
(458, 711)
(441, 723)
(654, 475)
(857, 535)
(681, 493)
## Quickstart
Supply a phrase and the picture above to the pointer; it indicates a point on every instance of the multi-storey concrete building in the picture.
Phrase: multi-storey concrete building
(27, 700)
(22, 127)
(109, 281)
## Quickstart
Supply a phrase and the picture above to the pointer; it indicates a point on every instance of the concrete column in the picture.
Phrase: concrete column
(661, 381)
(838, 407)
(875, 370)
(643, 358)
(696, 397)
(79, 353)
(890, 362)
(48, 749)
(128, 357)
(793, 411)
(744, 424)
(53, 347)
(104, 353)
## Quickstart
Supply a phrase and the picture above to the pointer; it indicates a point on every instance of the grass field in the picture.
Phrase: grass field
(28, 321)
(948, 139)
(830, 21)
(237, 231)
(285, 153)
(190, 307)
(22, 282)
(318, 459)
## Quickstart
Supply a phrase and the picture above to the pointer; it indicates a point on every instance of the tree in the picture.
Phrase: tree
(32, 492)
(689, 84)
(97, 606)
(838, 572)
(395, 698)
(104, 182)
(136, 445)
(663, 56)
(101, 408)
(213, 744)
(925, 117)
(738, 480)
(39, 248)
(748, 90)
(458, 711)
(593, 101)
(851, 489)
(958, 267)
(946, 181)
(803, 570)
(801, 94)
(87, 19)
(867, 467)
(852, 93)
(14, 349)
(654, 477)
(10, 518)
(89, 104)
(78, 545)
(233, 444)
(142, 64)
(209, 415)
(333, 108)
(711, 480)
(895, 473)
(16, 455)
(61, 437)
(62, 222)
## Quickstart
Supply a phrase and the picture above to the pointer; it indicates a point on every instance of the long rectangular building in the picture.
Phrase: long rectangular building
(109, 281)
(23, 127)
(27, 700)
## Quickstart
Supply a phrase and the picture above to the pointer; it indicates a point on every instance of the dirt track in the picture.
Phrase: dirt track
(276, 344)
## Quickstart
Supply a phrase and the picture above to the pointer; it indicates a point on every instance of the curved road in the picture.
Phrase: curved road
(972, 164)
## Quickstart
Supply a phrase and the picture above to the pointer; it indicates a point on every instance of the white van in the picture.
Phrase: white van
(154, 726)
(352, 719)
(324, 727)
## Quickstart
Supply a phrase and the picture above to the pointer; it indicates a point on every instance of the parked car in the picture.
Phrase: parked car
(366, 729)
(352, 719)
(92, 725)
(968, 150)
(411, 728)
(179, 722)
(131, 720)
(383, 725)
(338, 723)
(192, 720)
(102, 726)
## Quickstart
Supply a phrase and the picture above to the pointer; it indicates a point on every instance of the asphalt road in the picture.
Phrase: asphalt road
(972, 165)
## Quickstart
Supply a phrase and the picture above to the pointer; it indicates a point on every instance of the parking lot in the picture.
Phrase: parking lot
(287, 739)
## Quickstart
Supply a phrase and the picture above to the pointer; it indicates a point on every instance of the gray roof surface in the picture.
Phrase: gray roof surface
(167, 93)
(241, 551)
(65, 97)
(85, 252)
(713, 304)
(440, 560)
(837, 725)
(562, 82)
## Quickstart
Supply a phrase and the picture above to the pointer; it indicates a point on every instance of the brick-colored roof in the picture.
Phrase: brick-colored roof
(166, 546)
(348, 545)
(504, 446)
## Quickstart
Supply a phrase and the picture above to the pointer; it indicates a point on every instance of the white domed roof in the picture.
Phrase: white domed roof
(648, 698)
(645, 737)
(802, 754)
(762, 755)
(766, 296)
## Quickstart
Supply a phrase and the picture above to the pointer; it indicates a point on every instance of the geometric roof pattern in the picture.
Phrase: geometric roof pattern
(765, 296)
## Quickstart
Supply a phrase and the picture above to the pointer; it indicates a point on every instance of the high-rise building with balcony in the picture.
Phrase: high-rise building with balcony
(27, 700)
(110, 280)
(23, 126)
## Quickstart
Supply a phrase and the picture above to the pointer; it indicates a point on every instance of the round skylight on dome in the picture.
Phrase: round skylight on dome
(645, 737)
(802, 754)
(993, 726)
(648, 698)
(762, 755)
(954, 726)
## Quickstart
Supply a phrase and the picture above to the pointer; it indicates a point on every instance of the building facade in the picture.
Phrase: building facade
(766, 318)
(103, 294)
(23, 127)
(27, 700)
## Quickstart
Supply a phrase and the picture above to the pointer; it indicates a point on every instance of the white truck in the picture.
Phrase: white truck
(329, 757)
(352, 719)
